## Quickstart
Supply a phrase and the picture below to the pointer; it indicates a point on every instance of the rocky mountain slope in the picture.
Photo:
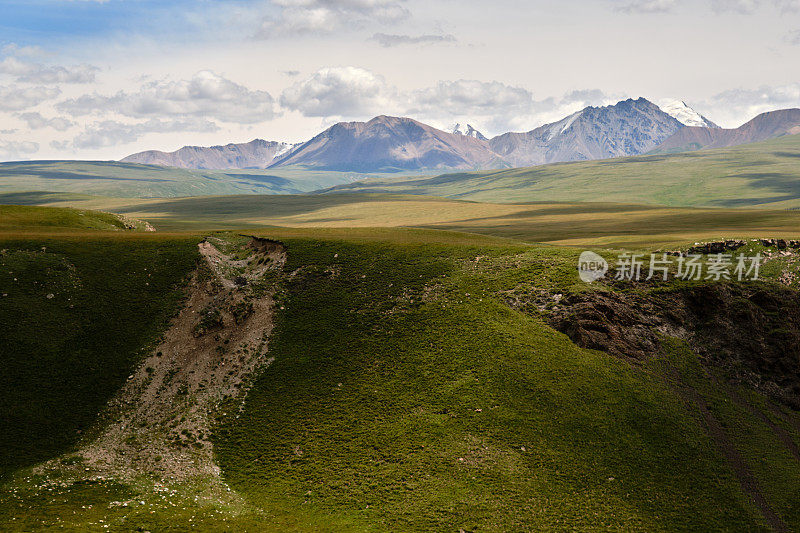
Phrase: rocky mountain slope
(630, 127)
(255, 154)
(390, 143)
(764, 126)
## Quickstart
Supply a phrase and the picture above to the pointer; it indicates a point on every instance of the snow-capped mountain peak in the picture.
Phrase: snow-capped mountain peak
(685, 114)
(469, 131)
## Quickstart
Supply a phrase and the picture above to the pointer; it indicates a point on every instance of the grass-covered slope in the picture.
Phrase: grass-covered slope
(406, 395)
(408, 392)
(17, 217)
(759, 174)
(75, 314)
(116, 179)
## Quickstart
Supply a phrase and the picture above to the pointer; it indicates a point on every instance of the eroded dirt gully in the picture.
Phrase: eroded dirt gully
(160, 421)
(749, 333)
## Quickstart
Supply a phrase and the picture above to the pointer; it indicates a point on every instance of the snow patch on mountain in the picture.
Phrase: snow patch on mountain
(685, 114)
(468, 131)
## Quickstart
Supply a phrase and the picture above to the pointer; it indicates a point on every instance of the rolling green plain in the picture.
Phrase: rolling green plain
(116, 179)
(418, 381)
(751, 175)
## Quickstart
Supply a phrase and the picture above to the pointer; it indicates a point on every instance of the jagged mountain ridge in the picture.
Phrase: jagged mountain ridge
(630, 127)
(257, 153)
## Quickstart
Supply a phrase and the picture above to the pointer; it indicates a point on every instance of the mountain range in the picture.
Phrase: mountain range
(385, 144)
(255, 154)
(631, 127)
(765, 126)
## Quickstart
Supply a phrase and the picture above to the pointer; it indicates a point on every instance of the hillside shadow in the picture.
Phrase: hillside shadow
(36, 198)
(46, 173)
(248, 206)
(786, 186)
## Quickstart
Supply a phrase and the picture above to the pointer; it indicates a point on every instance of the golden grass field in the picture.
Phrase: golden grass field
(605, 224)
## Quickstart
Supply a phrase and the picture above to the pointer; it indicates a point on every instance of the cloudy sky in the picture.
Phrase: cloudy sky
(100, 79)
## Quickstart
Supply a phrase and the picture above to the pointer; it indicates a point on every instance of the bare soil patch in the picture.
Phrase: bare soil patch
(159, 423)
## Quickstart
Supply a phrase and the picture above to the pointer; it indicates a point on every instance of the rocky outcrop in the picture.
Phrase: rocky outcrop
(750, 331)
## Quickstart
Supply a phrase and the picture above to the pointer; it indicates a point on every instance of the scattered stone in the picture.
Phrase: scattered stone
(714, 247)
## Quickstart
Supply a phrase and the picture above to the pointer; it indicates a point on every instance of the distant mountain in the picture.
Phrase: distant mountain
(469, 131)
(764, 126)
(630, 127)
(386, 143)
(255, 154)
(685, 114)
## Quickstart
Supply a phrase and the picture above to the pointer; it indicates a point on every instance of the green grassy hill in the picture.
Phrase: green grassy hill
(115, 179)
(406, 395)
(408, 392)
(762, 174)
(75, 314)
(59, 218)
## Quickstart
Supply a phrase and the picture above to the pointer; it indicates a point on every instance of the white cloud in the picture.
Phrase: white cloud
(648, 6)
(17, 149)
(36, 121)
(17, 63)
(718, 6)
(13, 49)
(302, 17)
(788, 6)
(739, 6)
(388, 40)
(61, 146)
(341, 91)
(16, 98)
(472, 96)
(112, 133)
(734, 107)
(338, 93)
(492, 106)
(206, 95)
